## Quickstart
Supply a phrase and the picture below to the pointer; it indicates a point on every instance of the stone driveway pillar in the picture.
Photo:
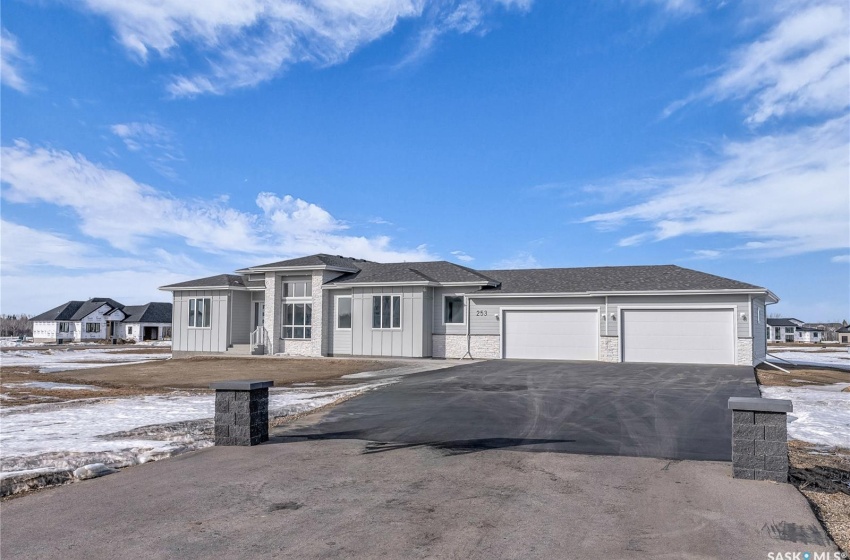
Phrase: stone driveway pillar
(760, 438)
(241, 412)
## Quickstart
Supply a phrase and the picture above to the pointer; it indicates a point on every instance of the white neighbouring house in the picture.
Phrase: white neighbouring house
(326, 305)
(782, 330)
(102, 320)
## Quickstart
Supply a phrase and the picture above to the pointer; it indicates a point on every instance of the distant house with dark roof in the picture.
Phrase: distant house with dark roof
(326, 305)
(102, 320)
(843, 334)
(792, 330)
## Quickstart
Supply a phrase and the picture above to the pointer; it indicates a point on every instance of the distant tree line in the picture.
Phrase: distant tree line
(15, 325)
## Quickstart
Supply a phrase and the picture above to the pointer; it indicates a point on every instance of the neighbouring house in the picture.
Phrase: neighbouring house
(792, 330)
(843, 334)
(830, 330)
(325, 305)
(102, 320)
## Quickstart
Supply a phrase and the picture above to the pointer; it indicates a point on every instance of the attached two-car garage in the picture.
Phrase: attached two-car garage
(702, 336)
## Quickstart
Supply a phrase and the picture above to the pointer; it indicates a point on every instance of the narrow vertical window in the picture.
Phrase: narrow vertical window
(396, 312)
(343, 313)
(192, 312)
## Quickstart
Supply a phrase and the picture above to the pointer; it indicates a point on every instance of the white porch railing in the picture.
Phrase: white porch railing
(259, 337)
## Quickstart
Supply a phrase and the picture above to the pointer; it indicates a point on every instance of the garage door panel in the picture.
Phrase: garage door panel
(705, 336)
(551, 335)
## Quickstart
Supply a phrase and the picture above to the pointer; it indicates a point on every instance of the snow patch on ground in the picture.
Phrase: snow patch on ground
(53, 360)
(837, 359)
(51, 386)
(821, 416)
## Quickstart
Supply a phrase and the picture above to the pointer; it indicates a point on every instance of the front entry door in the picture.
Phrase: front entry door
(259, 311)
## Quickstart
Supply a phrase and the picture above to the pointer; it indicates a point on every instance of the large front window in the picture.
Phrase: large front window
(453, 310)
(92, 327)
(199, 312)
(386, 312)
(297, 320)
(64, 327)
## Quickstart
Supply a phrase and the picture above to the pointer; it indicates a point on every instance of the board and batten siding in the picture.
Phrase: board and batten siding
(193, 339)
(408, 341)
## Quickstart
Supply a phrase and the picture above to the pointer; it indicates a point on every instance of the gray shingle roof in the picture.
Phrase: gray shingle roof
(153, 312)
(320, 260)
(217, 281)
(434, 271)
(783, 322)
(76, 310)
(844, 329)
(609, 279)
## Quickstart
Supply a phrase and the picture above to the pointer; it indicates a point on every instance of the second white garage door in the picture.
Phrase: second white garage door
(551, 335)
(679, 336)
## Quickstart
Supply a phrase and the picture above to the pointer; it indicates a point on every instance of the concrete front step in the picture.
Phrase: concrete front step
(246, 350)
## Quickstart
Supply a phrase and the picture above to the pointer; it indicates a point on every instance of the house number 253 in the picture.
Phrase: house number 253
(480, 313)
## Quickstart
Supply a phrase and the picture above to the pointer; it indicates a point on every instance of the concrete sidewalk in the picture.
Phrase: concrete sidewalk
(345, 498)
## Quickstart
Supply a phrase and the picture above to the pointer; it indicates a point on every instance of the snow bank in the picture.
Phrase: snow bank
(821, 414)
(839, 359)
(52, 360)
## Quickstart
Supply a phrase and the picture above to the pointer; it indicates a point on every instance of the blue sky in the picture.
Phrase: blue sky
(149, 142)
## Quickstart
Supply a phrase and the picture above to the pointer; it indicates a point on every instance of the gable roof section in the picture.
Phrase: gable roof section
(76, 310)
(210, 282)
(783, 322)
(439, 272)
(610, 279)
(153, 312)
(320, 260)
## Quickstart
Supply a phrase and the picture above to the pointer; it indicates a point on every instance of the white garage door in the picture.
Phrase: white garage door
(551, 335)
(679, 336)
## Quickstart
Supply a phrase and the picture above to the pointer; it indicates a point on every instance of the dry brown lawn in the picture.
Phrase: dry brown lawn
(190, 373)
(800, 375)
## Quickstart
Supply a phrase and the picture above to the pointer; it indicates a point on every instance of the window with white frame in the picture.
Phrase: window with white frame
(129, 330)
(92, 327)
(64, 327)
(386, 312)
(343, 312)
(297, 320)
(297, 288)
(453, 310)
(200, 310)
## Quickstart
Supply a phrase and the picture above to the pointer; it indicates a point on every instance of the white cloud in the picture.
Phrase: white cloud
(707, 254)
(461, 256)
(154, 142)
(377, 220)
(784, 194)
(112, 207)
(841, 259)
(800, 66)
(11, 60)
(519, 260)
(251, 41)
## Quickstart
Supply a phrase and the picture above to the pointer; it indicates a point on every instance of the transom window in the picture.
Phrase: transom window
(386, 312)
(453, 310)
(92, 327)
(343, 312)
(297, 288)
(200, 310)
(297, 320)
(64, 327)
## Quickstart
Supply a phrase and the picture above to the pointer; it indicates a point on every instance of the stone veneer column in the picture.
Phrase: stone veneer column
(241, 412)
(271, 320)
(760, 438)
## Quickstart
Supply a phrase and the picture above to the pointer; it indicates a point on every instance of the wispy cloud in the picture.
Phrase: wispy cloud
(282, 226)
(154, 142)
(841, 259)
(517, 261)
(787, 193)
(12, 59)
(252, 41)
(800, 66)
(377, 220)
(461, 256)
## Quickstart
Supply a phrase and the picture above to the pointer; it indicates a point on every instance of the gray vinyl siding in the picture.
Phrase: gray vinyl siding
(339, 340)
(490, 324)
(759, 329)
(438, 326)
(213, 339)
(241, 318)
(408, 341)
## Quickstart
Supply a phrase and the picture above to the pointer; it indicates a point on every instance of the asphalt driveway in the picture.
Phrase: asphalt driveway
(641, 410)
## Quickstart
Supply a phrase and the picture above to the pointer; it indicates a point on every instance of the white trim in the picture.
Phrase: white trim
(336, 312)
(188, 326)
(426, 283)
(475, 295)
(502, 321)
(443, 309)
(698, 307)
(259, 269)
(198, 288)
(400, 311)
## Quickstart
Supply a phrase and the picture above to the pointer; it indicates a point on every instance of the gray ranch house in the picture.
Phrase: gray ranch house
(326, 305)
(103, 320)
